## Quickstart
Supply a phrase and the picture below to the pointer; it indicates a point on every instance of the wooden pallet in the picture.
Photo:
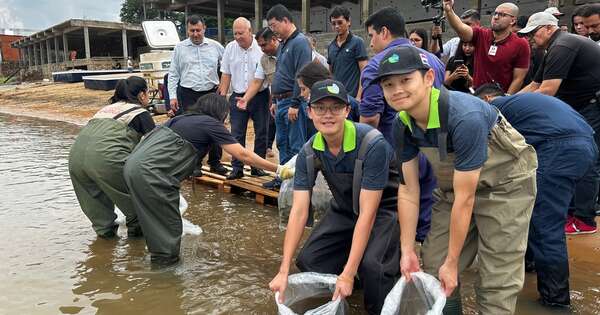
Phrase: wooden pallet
(248, 183)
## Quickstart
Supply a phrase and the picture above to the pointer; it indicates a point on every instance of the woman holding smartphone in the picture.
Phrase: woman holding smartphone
(459, 69)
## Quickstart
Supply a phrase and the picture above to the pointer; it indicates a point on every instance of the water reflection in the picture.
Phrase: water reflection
(52, 263)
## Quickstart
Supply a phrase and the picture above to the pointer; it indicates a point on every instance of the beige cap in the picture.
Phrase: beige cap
(554, 11)
(539, 19)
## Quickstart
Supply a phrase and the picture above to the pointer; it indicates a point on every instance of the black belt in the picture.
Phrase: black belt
(281, 96)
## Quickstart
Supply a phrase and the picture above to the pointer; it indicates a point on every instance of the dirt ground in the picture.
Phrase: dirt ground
(72, 103)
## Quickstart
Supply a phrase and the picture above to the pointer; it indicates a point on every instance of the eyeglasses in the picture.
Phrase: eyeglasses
(334, 109)
(535, 30)
(502, 14)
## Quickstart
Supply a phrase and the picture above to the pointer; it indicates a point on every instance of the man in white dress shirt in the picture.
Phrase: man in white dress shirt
(240, 61)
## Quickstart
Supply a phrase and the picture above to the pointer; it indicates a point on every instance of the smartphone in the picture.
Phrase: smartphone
(458, 63)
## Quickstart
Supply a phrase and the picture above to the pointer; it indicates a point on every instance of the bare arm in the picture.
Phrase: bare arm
(248, 157)
(531, 87)
(361, 66)
(517, 82)
(408, 204)
(373, 120)
(253, 89)
(464, 31)
(224, 86)
(549, 87)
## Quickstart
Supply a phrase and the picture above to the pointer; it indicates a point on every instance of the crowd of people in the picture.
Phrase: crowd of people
(481, 146)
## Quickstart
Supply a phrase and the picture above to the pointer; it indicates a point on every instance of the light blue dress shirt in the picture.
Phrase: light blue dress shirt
(195, 66)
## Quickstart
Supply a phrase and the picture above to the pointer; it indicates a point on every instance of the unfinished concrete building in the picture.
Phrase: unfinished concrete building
(81, 44)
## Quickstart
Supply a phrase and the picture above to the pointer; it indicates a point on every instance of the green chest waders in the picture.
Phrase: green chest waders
(500, 222)
(153, 174)
(328, 246)
(96, 162)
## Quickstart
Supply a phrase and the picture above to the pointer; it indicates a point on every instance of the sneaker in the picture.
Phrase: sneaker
(235, 174)
(275, 183)
(579, 227)
(219, 169)
(257, 172)
(569, 222)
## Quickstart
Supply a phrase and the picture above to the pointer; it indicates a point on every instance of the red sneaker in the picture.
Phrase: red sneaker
(579, 227)
(569, 222)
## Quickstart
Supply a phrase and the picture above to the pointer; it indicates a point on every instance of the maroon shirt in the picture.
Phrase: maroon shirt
(511, 52)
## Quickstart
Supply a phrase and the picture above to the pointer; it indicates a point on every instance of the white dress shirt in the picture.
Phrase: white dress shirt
(241, 64)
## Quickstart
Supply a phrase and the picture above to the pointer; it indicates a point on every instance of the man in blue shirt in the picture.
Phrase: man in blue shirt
(386, 29)
(483, 201)
(565, 149)
(293, 53)
(346, 55)
(359, 234)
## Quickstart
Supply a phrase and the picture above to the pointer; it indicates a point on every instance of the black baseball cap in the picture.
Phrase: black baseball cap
(328, 88)
(402, 60)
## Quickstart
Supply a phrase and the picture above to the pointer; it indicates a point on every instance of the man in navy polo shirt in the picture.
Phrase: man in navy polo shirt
(346, 55)
(293, 53)
(565, 148)
(359, 234)
(386, 29)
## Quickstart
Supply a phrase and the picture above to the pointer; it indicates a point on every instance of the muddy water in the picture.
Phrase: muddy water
(52, 263)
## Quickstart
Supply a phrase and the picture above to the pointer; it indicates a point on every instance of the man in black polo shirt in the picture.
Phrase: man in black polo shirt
(570, 71)
(346, 55)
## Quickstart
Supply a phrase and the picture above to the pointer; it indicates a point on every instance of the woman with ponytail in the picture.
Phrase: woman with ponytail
(98, 156)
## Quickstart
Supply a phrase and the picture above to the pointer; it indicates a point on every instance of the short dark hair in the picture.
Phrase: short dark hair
(211, 104)
(312, 73)
(522, 21)
(195, 19)
(388, 17)
(127, 90)
(340, 11)
(279, 12)
(265, 33)
(423, 34)
(491, 89)
(471, 14)
(590, 9)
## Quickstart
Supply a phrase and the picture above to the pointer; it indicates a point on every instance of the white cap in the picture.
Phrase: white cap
(539, 19)
(554, 11)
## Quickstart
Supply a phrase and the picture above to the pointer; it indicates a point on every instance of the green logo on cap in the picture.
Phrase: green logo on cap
(333, 89)
(393, 58)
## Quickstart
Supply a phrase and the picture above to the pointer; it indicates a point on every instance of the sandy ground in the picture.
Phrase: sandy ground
(72, 103)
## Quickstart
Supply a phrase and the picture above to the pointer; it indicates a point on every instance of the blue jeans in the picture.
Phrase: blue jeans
(258, 111)
(561, 164)
(290, 136)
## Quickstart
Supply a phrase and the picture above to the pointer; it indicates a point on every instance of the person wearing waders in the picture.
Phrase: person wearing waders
(98, 156)
(565, 148)
(486, 184)
(358, 235)
(168, 155)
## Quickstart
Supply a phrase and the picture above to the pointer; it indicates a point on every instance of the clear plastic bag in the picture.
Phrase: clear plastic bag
(188, 227)
(310, 293)
(422, 296)
(320, 200)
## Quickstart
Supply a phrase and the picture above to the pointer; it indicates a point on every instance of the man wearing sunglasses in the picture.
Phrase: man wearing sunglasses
(359, 234)
(500, 55)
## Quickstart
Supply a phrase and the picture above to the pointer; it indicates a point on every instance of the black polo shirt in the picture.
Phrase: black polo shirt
(201, 131)
(576, 60)
(344, 61)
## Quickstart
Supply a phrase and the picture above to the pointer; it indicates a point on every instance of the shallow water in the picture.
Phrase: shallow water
(52, 263)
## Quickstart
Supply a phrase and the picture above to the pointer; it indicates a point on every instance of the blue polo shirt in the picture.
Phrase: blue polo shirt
(292, 55)
(376, 163)
(469, 123)
(372, 100)
(540, 117)
(344, 61)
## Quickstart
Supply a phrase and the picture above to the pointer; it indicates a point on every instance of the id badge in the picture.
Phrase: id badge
(492, 51)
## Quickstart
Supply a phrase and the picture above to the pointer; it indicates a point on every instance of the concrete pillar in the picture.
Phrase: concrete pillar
(365, 11)
(56, 49)
(42, 56)
(306, 16)
(258, 14)
(125, 50)
(29, 56)
(86, 39)
(48, 52)
(186, 13)
(65, 47)
(221, 22)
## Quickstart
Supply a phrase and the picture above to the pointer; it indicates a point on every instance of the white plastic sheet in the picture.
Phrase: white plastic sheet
(320, 200)
(422, 296)
(307, 286)
(188, 227)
